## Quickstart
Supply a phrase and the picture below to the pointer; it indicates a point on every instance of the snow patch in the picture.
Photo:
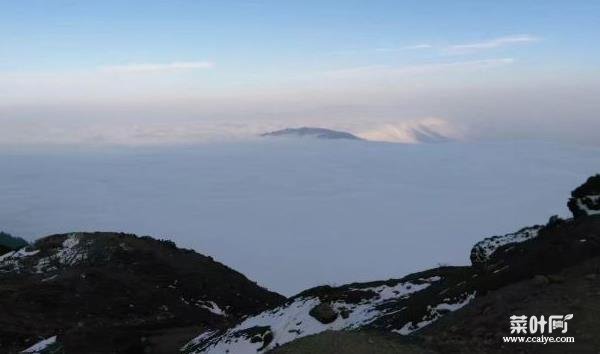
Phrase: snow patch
(69, 254)
(6, 255)
(11, 261)
(198, 340)
(41, 345)
(213, 307)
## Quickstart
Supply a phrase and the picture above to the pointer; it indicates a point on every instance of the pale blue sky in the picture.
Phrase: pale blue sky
(304, 57)
(292, 35)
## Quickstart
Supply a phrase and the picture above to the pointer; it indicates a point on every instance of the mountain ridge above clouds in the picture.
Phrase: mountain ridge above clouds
(430, 130)
(313, 132)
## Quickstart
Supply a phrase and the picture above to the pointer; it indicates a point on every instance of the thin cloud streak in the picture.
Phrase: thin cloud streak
(418, 46)
(469, 47)
(156, 67)
(495, 43)
(410, 47)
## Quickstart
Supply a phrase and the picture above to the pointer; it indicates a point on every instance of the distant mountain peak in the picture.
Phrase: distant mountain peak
(319, 133)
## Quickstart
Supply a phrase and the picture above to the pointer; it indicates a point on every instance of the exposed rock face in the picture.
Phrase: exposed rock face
(104, 292)
(319, 133)
(585, 199)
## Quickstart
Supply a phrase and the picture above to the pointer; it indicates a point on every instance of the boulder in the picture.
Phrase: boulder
(323, 313)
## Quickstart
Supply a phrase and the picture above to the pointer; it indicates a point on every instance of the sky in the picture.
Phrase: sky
(147, 72)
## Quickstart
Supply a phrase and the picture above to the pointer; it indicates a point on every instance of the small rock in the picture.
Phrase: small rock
(540, 280)
(591, 276)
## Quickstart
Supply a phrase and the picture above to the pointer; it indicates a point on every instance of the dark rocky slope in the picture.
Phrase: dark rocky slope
(353, 342)
(114, 293)
(479, 327)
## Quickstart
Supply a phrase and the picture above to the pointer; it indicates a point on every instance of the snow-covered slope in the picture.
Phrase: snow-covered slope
(350, 307)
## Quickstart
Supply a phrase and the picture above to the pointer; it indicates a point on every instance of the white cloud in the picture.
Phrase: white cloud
(154, 67)
(494, 43)
(419, 46)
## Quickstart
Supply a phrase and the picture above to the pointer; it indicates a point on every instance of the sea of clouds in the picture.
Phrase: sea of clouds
(295, 214)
